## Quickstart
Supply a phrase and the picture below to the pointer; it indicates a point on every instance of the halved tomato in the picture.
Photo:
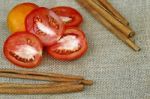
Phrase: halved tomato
(16, 17)
(72, 45)
(70, 16)
(45, 24)
(23, 49)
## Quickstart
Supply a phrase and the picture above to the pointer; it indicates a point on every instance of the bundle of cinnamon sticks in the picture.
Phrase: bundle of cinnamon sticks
(57, 83)
(106, 14)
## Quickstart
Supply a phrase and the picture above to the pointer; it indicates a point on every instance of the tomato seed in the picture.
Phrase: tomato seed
(21, 59)
(37, 19)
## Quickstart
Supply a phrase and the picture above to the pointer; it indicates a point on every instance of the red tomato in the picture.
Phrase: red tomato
(72, 45)
(45, 24)
(23, 49)
(70, 16)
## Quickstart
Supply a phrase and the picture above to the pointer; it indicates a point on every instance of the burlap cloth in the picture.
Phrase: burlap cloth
(118, 72)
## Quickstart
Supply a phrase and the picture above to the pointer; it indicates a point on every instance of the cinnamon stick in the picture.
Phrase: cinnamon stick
(86, 82)
(109, 26)
(48, 90)
(112, 10)
(19, 85)
(6, 73)
(34, 77)
(57, 75)
(66, 84)
(121, 27)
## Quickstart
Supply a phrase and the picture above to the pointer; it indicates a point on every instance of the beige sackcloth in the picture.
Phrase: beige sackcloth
(117, 71)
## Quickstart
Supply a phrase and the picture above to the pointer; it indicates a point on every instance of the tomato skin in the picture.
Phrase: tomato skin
(17, 15)
(74, 55)
(44, 16)
(12, 41)
(72, 13)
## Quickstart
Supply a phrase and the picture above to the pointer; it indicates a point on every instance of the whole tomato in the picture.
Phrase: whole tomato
(17, 15)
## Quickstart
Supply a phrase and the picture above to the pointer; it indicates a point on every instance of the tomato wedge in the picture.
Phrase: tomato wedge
(45, 24)
(70, 16)
(72, 45)
(23, 49)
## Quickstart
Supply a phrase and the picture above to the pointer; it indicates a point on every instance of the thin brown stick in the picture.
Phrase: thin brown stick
(112, 10)
(57, 75)
(18, 85)
(124, 29)
(34, 77)
(49, 90)
(109, 26)
(86, 82)
(44, 78)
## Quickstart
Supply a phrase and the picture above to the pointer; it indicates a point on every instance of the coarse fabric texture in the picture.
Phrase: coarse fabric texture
(117, 71)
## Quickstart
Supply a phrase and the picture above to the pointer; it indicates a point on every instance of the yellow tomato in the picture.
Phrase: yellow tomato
(17, 15)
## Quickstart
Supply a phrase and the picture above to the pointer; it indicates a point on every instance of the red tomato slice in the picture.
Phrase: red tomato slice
(72, 45)
(23, 49)
(70, 16)
(45, 24)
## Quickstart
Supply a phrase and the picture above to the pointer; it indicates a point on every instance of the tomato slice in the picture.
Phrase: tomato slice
(45, 24)
(72, 45)
(70, 16)
(23, 49)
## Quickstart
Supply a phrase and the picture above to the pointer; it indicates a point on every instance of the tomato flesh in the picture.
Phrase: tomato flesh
(23, 49)
(70, 16)
(45, 24)
(72, 45)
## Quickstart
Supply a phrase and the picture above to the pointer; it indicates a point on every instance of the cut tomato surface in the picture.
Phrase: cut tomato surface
(72, 45)
(23, 49)
(70, 16)
(45, 24)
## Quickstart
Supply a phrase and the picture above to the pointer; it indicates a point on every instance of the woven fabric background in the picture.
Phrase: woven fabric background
(118, 72)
